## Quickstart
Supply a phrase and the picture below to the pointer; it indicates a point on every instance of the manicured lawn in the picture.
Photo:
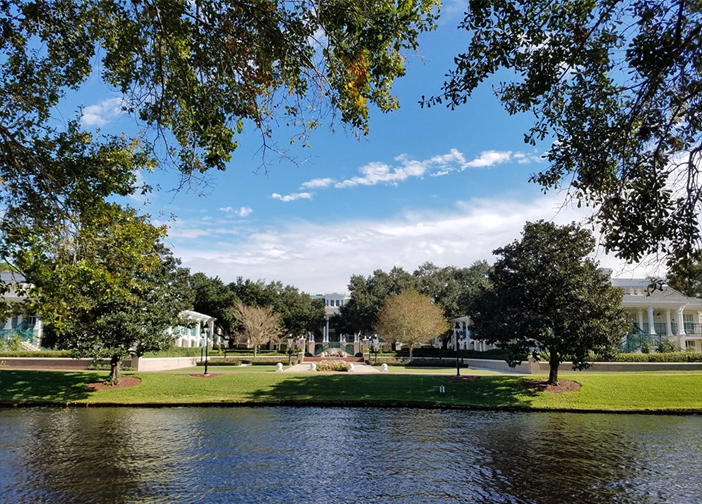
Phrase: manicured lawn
(226, 369)
(610, 392)
(439, 370)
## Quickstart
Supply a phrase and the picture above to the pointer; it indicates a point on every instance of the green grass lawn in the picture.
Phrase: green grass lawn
(439, 370)
(225, 369)
(606, 392)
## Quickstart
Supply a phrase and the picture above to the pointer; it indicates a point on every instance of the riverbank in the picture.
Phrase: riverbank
(615, 392)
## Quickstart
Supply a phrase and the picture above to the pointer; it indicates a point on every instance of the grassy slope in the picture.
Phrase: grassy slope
(612, 392)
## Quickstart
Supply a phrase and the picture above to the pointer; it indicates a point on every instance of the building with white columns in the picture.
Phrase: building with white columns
(663, 313)
(191, 335)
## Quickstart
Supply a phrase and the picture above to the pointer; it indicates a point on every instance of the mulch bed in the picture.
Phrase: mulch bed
(124, 382)
(209, 375)
(463, 378)
(563, 386)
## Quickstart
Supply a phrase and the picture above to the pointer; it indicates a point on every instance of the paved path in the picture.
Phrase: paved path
(359, 368)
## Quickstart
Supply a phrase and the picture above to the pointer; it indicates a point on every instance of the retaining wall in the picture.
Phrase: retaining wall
(626, 366)
(51, 363)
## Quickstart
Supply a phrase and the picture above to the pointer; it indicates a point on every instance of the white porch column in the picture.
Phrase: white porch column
(668, 325)
(325, 339)
(651, 325)
(310, 337)
(681, 323)
(640, 321)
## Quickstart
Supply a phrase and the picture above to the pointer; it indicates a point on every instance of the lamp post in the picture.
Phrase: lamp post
(376, 345)
(205, 334)
(456, 328)
(290, 348)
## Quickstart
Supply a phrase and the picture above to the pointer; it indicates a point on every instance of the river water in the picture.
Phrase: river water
(345, 455)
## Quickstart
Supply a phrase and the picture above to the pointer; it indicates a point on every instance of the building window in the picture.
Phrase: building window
(691, 345)
(338, 303)
(689, 323)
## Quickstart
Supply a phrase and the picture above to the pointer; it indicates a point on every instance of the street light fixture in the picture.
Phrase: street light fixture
(376, 347)
(205, 334)
(456, 328)
(290, 348)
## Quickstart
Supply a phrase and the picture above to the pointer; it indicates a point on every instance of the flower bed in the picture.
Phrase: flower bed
(332, 366)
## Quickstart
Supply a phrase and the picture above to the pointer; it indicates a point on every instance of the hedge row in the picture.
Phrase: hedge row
(37, 353)
(496, 354)
(239, 362)
(652, 357)
(195, 352)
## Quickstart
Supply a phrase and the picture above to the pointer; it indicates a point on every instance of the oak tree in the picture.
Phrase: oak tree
(548, 296)
(615, 88)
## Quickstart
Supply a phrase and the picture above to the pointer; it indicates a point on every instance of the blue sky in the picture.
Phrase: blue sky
(424, 185)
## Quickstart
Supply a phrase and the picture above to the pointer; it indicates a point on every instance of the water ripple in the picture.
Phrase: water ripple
(345, 455)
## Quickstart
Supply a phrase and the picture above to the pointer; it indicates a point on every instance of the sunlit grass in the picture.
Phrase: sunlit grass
(605, 392)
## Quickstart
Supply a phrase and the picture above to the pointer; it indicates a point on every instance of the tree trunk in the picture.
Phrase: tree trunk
(115, 370)
(411, 348)
(553, 371)
(255, 351)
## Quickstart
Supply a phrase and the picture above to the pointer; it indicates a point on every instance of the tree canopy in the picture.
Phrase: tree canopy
(452, 288)
(213, 298)
(547, 295)
(298, 313)
(616, 88)
(411, 318)
(109, 290)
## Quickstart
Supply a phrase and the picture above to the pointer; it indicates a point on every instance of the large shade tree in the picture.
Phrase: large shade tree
(411, 318)
(615, 88)
(108, 290)
(547, 295)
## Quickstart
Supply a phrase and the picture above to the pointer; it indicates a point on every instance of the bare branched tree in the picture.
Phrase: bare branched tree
(257, 324)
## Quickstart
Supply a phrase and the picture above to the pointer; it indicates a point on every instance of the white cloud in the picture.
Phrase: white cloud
(102, 113)
(377, 172)
(241, 212)
(317, 183)
(489, 158)
(322, 257)
(292, 196)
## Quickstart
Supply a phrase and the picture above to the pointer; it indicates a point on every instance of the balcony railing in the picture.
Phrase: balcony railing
(661, 328)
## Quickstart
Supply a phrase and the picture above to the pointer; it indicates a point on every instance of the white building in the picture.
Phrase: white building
(331, 342)
(664, 313)
(30, 330)
(27, 326)
(191, 335)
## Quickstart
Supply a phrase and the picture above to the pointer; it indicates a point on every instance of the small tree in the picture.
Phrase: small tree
(257, 324)
(548, 295)
(411, 318)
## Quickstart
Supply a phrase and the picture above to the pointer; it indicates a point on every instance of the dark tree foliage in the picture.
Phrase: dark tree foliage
(108, 290)
(213, 298)
(616, 86)
(368, 295)
(298, 312)
(450, 287)
(688, 282)
(547, 295)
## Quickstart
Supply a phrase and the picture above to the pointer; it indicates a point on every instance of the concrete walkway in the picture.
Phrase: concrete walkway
(359, 368)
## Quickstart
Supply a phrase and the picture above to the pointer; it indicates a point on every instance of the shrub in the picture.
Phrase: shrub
(332, 366)
(645, 348)
(14, 344)
(667, 346)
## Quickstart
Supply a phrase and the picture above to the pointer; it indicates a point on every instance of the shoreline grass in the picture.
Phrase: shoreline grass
(680, 393)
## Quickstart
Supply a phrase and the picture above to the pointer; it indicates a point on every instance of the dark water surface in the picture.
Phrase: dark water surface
(345, 455)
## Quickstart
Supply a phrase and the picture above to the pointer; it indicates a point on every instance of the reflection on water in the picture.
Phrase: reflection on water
(345, 455)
